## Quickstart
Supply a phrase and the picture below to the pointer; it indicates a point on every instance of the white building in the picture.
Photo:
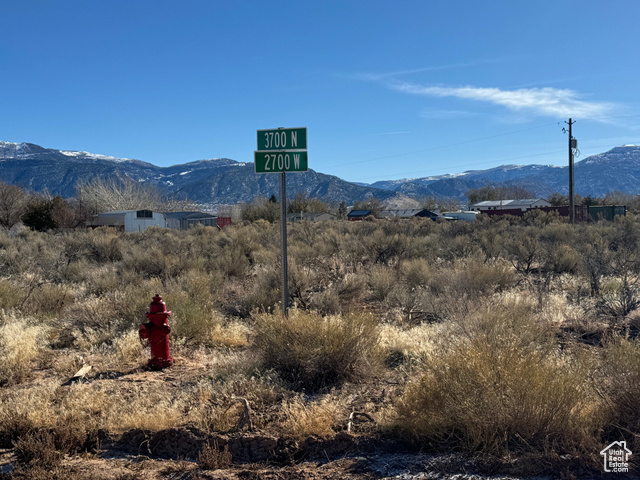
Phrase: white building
(521, 204)
(467, 216)
(129, 220)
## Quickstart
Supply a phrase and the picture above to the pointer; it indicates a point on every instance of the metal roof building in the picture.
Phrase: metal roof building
(520, 204)
(185, 220)
(409, 213)
(129, 220)
(358, 214)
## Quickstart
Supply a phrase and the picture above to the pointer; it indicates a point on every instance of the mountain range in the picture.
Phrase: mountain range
(222, 181)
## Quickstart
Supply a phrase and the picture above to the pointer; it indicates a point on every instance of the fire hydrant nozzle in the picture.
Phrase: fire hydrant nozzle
(157, 331)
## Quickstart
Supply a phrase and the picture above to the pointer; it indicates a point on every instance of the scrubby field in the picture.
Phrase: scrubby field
(509, 342)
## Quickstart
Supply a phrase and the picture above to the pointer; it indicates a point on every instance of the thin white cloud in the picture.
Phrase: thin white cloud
(374, 77)
(390, 133)
(541, 101)
(430, 114)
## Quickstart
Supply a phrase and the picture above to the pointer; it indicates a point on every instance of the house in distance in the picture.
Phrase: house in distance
(186, 220)
(521, 204)
(128, 220)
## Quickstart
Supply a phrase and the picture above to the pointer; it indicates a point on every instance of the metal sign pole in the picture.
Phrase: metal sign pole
(283, 228)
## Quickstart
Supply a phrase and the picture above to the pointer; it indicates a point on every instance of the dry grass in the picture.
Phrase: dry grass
(501, 385)
(20, 344)
(618, 382)
(313, 352)
(302, 418)
(487, 335)
(212, 457)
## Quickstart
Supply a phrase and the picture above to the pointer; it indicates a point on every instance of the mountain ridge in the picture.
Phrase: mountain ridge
(223, 181)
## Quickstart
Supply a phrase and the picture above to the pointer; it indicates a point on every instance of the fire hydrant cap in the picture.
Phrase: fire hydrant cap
(157, 305)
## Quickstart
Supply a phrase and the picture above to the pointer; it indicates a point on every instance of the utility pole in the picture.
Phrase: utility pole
(572, 208)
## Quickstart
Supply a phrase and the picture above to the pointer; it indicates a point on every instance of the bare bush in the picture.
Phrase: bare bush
(123, 193)
(501, 387)
(214, 457)
(12, 204)
(20, 344)
(320, 352)
(618, 381)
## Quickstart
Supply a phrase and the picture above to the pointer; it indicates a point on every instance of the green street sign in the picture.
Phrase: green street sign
(282, 139)
(281, 161)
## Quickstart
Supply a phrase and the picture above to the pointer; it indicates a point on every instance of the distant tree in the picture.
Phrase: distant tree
(557, 199)
(302, 203)
(443, 204)
(618, 198)
(123, 193)
(589, 201)
(273, 199)
(261, 208)
(342, 211)
(12, 204)
(39, 214)
(372, 203)
(503, 192)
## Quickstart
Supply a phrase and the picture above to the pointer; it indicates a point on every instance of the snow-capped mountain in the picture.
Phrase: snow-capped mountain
(209, 182)
(224, 181)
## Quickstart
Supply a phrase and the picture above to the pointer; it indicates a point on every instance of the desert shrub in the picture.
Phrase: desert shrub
(234, 261)
(264, 294)
(105, 245)
(302, 282)
(326, 302)
(11, 296)
(213, 457)
(618, 381)
(524, 250)
(423, 305)
(562, 259)
(385, 247)
(312, 352)
(381, 282)
(38, 449)
(13, 425)
(471, 277)
(74, 435)
(146, 262)
(100, 319)
(618, 299)
(48, 299)
(500, 386)
(415, 272)
(193, 318)
(456, 247)
(128, 346)
(20, 344)
(351, 288)
(302, 418)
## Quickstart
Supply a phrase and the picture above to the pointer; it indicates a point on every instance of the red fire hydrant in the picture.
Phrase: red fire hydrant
(157, 331)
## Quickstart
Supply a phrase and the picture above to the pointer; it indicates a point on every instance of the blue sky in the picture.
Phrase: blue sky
(387, 89)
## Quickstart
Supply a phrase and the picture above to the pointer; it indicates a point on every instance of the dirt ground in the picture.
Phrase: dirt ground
(174, 453)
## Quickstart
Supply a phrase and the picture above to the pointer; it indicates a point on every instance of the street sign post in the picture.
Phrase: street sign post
(282, 150)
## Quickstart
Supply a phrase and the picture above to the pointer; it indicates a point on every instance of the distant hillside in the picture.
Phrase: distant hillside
(223, 181)
(209, 182)
(615, 170)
